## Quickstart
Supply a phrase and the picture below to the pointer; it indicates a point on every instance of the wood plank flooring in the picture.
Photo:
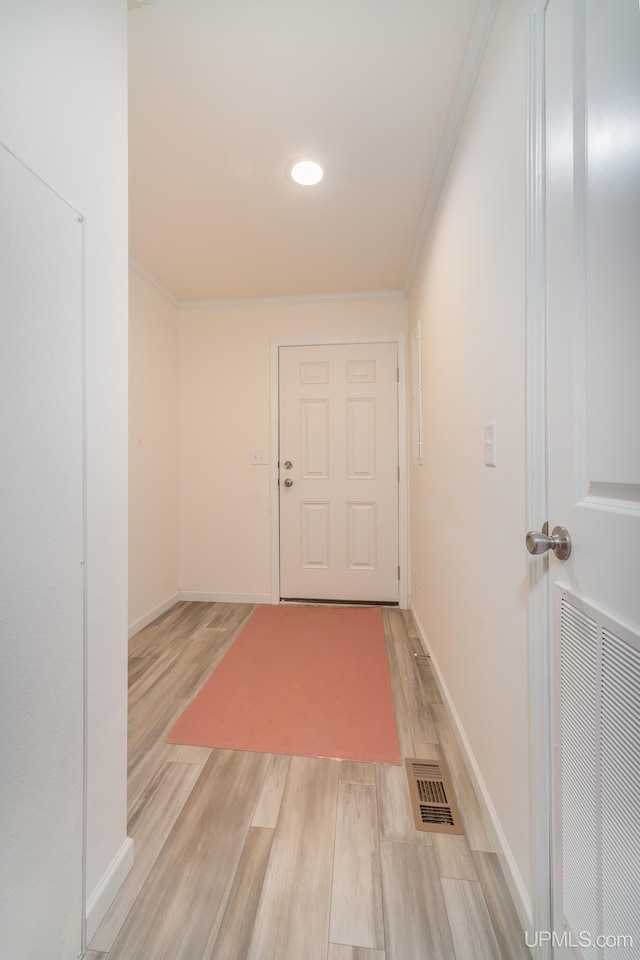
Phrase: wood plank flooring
(249, 856)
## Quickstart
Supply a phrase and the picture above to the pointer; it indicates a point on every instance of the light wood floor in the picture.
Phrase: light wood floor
(249, 856)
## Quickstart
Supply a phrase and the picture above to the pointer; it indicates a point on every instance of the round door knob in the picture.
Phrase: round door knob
(288, 464)
(288, 482)
(559, 542)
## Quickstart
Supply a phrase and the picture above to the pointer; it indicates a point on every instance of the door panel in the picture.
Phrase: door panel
(314, 434)
(361, 439)
(593, 327)
(315, 524)
(338, 418)
(362, 527)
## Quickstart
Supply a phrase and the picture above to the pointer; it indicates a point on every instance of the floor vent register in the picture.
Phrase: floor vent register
(432, 798)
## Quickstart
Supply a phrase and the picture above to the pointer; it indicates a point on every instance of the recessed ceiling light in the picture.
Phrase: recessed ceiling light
(307, 173)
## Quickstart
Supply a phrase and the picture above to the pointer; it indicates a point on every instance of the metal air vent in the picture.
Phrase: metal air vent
(432, 798)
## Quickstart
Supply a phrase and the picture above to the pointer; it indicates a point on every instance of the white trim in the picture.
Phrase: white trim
(199, 596)
(151, 280)
(537, 491)
(301, 298)
(403, 485)
(213, 304)
(476, 46)
(416, 395)
(403, 493)
(152, 614)
(105, 892)
(225, 597)
(303, 341)
(517, 887)
(274, 417)
(85, 593)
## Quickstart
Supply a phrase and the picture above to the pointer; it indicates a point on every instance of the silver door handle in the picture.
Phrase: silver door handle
(559, 542)
(288, 482)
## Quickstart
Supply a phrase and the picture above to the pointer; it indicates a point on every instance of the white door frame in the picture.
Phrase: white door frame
(403, 532)
(537, 487)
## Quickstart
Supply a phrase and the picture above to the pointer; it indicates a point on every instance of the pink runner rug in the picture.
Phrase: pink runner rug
(306, 681)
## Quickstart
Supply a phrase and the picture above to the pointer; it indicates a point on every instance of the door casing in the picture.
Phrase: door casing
(403, 532)
(537, 489)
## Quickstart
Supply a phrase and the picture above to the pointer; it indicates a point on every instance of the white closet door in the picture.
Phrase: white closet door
(593, 297)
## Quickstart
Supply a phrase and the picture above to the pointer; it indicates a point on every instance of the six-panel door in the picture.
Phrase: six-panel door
(339, 498)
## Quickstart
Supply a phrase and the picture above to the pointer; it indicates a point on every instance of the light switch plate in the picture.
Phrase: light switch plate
(490, 443)
(258, 456)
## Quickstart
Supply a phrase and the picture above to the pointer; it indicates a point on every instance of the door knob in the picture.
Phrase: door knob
(288, 482)
(559, 542)
(288, 464)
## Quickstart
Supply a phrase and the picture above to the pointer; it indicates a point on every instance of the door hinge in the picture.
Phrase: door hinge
(398, 474)
(398, 571)
(397, 374)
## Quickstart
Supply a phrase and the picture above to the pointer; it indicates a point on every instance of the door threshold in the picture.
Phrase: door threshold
(339, 603)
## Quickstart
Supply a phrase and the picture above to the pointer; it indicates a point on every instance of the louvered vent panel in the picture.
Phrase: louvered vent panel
(579, 733)
(432, 799)
(620, 782)
(600, 777)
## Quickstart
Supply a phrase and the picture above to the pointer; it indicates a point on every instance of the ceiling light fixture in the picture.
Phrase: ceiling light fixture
(306, 172)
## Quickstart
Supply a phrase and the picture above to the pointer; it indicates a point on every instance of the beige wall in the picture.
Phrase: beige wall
(225, 391)
(468, 520)
(153, 450)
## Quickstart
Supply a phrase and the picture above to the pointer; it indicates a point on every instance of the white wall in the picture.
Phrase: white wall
(63, 112)
(468, 520)
(224, 411)
(41, 574)
(153, 451)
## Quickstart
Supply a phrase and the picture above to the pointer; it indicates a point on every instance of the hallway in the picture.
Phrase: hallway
(265, 857)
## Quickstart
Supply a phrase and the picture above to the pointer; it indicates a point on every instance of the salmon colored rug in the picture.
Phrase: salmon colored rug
(305, 681)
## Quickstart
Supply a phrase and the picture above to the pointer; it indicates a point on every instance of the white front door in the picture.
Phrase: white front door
(593, 358)
(339, 472)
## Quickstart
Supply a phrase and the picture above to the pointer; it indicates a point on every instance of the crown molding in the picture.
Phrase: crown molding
(260, 301)
(151, 280)
(476, 45)
(301, 298)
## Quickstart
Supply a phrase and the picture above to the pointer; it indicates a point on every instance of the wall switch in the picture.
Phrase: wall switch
(258, 456)
(490, 444)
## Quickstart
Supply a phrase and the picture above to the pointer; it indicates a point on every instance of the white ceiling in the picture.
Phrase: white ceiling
(224, 94)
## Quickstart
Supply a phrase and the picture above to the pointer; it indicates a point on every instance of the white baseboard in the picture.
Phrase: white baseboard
(104, 894)
(512, 876)
(225, 597)
(198, 596)
(152, 614)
